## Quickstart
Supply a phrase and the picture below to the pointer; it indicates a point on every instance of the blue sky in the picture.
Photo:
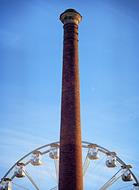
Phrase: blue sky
(30, 75)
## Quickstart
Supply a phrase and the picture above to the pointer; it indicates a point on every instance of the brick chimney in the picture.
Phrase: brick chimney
(70, 166)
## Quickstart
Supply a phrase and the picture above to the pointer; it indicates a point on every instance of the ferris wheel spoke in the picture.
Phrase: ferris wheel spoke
(56, 163)
(112, 180)
(50, 174)
(90, 153)
(54, 188)
(86, 165)
(31, 180)
(98, 163)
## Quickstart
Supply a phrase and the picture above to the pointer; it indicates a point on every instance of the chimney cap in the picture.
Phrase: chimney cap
(70, 10)
(70, 16)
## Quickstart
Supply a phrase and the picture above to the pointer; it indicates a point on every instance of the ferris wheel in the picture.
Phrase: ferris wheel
(38, 170)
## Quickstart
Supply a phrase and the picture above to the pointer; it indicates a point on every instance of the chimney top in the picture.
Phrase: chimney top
(70, 16)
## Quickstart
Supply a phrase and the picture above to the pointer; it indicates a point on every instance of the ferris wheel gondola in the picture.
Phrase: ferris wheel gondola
(92, 154)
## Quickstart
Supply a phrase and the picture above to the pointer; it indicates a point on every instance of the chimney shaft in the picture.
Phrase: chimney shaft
(70, 166)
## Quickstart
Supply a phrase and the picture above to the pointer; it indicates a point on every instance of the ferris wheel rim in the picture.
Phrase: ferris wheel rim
(85, 144)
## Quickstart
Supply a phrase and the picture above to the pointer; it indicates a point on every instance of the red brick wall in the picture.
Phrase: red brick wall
(70, 168)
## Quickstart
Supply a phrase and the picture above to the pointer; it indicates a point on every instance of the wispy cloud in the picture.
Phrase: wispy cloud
(17, 144)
